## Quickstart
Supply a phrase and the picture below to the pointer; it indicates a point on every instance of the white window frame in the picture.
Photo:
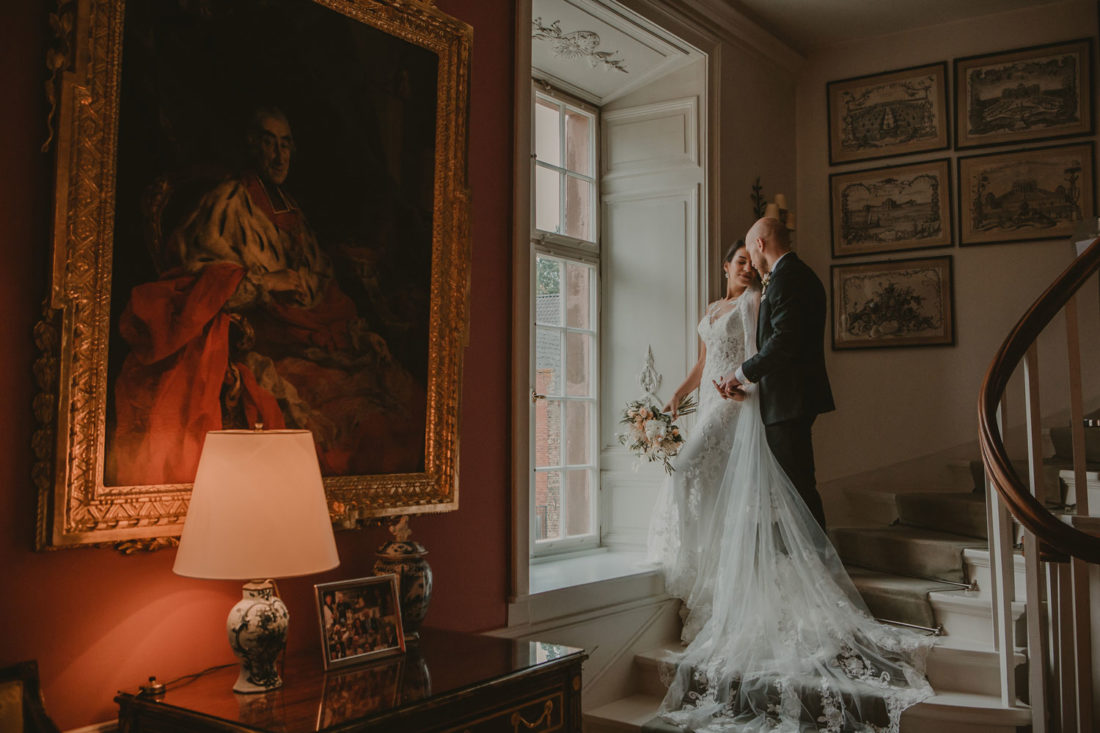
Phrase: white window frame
(568, 248)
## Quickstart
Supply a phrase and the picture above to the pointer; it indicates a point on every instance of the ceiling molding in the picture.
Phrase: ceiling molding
(719, 20)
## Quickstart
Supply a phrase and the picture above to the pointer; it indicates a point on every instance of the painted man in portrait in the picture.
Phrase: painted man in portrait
(248, 324)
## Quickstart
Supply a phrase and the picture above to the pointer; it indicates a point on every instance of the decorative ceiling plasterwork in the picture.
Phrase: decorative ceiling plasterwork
(577, 45)
(599, 50)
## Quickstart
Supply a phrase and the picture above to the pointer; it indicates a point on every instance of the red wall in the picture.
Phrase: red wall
(97, 621)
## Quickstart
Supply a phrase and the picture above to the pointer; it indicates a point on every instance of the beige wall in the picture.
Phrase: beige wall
(758, 122)
(899, 403)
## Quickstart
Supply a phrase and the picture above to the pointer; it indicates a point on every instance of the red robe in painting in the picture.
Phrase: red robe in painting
(313, 364)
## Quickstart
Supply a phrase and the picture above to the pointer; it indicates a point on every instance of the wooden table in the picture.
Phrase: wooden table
(449, 681)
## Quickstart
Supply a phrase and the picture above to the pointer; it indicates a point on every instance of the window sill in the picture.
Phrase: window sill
(584, 585)
(582, 568)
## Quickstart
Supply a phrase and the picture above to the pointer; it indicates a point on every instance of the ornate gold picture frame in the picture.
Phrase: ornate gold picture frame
(261, 215)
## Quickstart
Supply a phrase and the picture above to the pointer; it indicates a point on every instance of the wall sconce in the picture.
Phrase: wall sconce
(777, 209)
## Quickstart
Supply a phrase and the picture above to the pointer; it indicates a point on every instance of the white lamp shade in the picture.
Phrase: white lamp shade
(258, 509)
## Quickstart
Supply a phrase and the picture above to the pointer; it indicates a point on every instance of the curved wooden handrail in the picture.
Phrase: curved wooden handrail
(1028, 510)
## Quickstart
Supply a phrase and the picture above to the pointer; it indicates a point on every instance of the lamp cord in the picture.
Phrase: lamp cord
(189, 678)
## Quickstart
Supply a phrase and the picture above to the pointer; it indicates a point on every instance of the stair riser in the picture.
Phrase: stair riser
(648, 678)
(931, 725)
(937, 512)
(948, 669)
(908, 725)
(980, 572)
(907, 610)
(897, 555)
(974, 624)
(971, 671)
(872, 508)
(592, 725)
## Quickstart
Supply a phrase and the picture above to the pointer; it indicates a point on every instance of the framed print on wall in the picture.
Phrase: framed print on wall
(893, 303)
(1035, 93)
(891, 209)
(888, 114)
(1025, 195)
(261, 216)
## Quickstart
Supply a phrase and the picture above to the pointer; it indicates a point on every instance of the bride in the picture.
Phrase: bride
(777, 636)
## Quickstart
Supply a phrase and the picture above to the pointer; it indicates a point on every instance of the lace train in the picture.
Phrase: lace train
(788, 644)
(780, 638)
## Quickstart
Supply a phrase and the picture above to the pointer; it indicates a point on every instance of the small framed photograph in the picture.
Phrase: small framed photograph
(1035, 93)
(890, 209)
(360, 620)
(893, 113)
(893, 303)
(353, 693)
(1025, 195)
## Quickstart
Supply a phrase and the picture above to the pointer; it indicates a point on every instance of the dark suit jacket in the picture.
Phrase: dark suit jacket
(790, 336)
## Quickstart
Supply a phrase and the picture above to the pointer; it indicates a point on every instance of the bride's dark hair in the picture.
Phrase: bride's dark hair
(732, 252)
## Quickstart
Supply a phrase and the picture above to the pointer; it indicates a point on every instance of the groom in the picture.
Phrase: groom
(790, 363)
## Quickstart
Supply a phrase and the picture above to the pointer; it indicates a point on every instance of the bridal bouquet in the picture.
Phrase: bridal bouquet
(650, 433)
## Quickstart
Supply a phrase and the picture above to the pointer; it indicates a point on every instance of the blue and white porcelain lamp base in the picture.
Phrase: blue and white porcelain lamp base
(257, 628)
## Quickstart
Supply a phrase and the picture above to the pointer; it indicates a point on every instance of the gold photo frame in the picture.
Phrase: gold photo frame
(165, 316)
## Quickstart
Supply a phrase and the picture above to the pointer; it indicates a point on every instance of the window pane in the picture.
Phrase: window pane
(577, 433)
(578, 148)
(547, 433)
(548, 361)
(578, 503)
(547, 291)
(548, 505)
(578, 364)
(547, 132)
(547, 199)
(578, 208)
(578, 294)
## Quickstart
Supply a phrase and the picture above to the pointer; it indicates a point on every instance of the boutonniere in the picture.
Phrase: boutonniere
(764, 284)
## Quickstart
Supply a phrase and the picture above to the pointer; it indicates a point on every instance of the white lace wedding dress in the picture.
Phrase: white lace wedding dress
(780, 639)
(686, 523)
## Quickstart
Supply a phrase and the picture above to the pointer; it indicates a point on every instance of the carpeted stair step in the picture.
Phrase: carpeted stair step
(870, 507)
(897, 598)
(958, 513)
(911, 551)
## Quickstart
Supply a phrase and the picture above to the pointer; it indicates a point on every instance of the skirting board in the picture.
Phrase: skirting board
(109, 726)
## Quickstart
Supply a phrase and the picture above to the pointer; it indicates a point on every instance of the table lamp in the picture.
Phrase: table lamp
(258, 511)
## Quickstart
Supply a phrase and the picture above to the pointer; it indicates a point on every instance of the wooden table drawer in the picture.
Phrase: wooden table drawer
(541, 714)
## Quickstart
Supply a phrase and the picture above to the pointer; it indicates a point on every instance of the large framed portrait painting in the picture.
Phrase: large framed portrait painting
(261, 218)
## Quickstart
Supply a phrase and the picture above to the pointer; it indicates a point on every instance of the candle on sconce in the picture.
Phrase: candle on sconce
(790, 220)
(781, 201)
(771, 211)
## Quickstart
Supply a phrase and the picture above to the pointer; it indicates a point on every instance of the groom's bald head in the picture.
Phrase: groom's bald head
(767, 240)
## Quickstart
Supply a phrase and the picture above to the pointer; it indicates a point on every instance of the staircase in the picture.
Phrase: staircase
(918, 557)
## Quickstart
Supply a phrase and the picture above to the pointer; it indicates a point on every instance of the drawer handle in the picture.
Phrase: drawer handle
(546, 710)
